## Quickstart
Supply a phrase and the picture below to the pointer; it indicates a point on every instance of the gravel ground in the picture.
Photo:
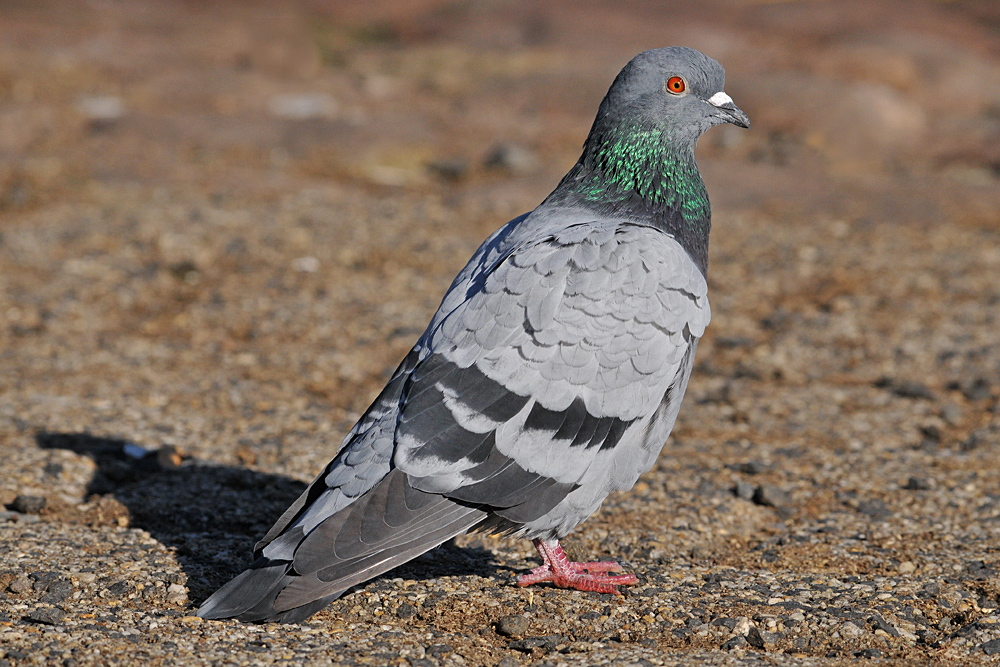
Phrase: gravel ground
(220, 229)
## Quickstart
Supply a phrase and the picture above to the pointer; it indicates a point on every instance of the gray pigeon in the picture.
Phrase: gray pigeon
(550, 376)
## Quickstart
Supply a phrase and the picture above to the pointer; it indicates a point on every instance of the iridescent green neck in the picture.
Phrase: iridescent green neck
(639, 174)
(639, 162)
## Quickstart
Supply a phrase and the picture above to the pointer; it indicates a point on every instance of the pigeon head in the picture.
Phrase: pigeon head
(638, 161)
(676, 92)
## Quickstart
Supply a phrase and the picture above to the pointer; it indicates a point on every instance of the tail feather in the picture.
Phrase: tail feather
(244, 595)
(386, 527)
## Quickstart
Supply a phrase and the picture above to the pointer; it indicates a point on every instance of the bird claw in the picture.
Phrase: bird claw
(564, 573)
(580, 581)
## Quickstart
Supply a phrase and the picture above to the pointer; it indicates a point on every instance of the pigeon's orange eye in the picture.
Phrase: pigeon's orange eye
(676, 85)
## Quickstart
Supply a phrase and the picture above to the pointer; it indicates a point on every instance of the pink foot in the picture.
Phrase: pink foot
(564, 573)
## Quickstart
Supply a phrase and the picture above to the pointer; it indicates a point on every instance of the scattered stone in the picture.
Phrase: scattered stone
(405, 610)
(28, 504)
(438, 650)
(732, 342)
(752, 467)
(977, 390)
(119, 589)
(991, 647)
(907, 567)
(874, 508)
(176, 594)
(700, 552)
(101, 110)
(307, 264)
(511, 157)
(737, 642)
(744, 490)
(20, 585)
(508, 662)
(512, 626)
(917, 484)
(754, 638)
(984, 435)
(978, 570)
(46, 615)
(529, 644)
(876, 621)
(951, 414)
(309, 106)
(169, 457)
(868, 653)
(449, 169)
(928, 637)
(769, 495)
(849, 630)
(905, 388)
(57, 591)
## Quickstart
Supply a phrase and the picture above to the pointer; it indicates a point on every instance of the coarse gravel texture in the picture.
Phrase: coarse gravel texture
(221, 228)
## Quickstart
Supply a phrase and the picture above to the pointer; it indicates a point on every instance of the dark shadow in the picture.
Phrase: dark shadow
(211, 514)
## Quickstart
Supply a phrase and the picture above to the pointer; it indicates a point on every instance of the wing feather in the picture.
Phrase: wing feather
(585, 330)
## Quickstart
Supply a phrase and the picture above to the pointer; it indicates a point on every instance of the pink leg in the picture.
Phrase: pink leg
(564, 573)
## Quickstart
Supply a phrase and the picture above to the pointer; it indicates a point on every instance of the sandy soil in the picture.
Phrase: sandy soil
(221, 226)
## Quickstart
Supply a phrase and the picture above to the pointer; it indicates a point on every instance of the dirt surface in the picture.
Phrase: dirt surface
(222, 225)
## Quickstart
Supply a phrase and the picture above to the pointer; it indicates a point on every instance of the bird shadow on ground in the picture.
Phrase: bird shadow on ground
(211, 514)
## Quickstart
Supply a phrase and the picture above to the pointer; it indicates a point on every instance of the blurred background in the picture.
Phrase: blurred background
(222, 225)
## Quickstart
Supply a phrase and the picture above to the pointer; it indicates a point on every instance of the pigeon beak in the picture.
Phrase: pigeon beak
(728, 111)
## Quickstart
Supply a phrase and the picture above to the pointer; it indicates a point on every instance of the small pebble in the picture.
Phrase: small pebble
(438, 650)
(511, 157)
(119, 589)
(46, 615)
(769, 495)
(977, 390)
(991, 647)
(450, 169)
(752, 467)
(57, 591)
(744, 490)
(20, 585)
(754, 638)
(307, 106)
(101, 109)
(737, 642)
(406, 610)
(28, 504)
(528, 644)
(868, 653)
(175, 593)
(512, 626)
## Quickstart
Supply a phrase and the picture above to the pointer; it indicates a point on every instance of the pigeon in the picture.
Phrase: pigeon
(550, 375)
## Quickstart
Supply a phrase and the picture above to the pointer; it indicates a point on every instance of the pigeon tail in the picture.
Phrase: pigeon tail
(391, 524)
